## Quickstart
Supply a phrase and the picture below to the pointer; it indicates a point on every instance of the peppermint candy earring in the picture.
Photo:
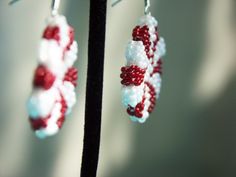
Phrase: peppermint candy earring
(55, 78)
(141, 77)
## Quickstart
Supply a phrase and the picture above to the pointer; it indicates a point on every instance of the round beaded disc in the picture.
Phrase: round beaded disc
(141, 77)
(55, 78)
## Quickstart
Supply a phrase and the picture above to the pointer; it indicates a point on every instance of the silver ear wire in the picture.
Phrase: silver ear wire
(55, 7)
(114, 2)
(147, 6)
(12, 2)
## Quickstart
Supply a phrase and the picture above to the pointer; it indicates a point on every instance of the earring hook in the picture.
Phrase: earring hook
(13, 2)
(114, 2)
(55, 7)
(147, 5)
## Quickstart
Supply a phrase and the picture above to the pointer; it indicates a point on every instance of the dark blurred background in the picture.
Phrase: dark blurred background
(192, 131)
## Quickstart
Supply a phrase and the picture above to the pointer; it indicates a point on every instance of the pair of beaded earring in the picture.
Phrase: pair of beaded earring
(55, 78)
(141, 77)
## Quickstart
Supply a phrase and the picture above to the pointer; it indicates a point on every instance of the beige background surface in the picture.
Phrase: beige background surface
(192, 131)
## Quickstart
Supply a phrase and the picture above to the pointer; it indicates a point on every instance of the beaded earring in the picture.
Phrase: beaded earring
(55, 78)
(141, 77)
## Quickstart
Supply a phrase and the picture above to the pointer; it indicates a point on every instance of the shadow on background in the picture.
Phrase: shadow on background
(43, 155)
(182, 138)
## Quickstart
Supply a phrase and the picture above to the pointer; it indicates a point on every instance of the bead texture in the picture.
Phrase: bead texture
(55, 78)
(141, 77)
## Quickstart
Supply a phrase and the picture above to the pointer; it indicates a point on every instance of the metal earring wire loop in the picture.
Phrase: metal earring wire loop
(114, 2)
(147, 7)
(13, 2)
(55, 7)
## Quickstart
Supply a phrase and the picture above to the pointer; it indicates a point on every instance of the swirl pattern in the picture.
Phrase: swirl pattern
(55, 78)
(141, 77)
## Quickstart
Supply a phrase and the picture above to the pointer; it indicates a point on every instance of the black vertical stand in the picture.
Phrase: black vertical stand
(93, 106)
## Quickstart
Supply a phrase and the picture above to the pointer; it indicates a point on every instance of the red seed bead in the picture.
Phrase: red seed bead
(132, 75)
(71, 37)
(138, 115)
(43, 78)
(130, 111)
(71, 76)
(52, 33)
(39, 123)
(60, 121)
(123, 69)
